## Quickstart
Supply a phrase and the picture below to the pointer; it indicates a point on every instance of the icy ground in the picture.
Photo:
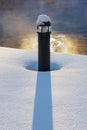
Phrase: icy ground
(32, 100)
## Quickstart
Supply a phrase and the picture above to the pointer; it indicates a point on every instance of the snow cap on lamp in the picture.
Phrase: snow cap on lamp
(43, 24)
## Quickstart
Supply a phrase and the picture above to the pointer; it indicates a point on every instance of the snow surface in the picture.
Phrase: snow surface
(32, 100)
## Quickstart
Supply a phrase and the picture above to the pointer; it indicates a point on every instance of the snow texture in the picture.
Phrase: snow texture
(32, 100)
(41, 19)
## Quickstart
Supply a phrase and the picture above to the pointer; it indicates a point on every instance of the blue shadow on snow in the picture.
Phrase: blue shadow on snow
(42, 118)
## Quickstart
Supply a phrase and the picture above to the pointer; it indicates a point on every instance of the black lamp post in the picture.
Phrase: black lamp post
(43, 29)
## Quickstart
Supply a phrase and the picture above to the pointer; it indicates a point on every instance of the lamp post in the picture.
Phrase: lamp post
(43, 29)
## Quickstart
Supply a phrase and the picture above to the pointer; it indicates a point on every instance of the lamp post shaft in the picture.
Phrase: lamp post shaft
(44, 51)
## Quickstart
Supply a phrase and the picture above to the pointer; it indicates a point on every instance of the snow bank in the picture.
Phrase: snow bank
(32, 100)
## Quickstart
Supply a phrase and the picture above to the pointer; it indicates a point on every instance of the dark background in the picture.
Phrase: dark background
(18, 21)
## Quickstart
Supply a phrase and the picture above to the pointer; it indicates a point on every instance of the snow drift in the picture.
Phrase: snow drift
(32, 100)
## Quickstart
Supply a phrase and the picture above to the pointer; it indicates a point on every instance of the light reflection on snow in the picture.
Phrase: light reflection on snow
(64, 43)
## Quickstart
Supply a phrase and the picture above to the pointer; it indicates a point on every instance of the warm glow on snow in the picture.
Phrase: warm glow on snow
(58, 43)
(68, 44)
(29, 42)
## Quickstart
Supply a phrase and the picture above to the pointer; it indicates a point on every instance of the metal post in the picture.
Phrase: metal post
(43, 30)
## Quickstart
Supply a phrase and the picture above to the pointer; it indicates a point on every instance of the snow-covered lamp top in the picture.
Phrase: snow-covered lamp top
(43, 24)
